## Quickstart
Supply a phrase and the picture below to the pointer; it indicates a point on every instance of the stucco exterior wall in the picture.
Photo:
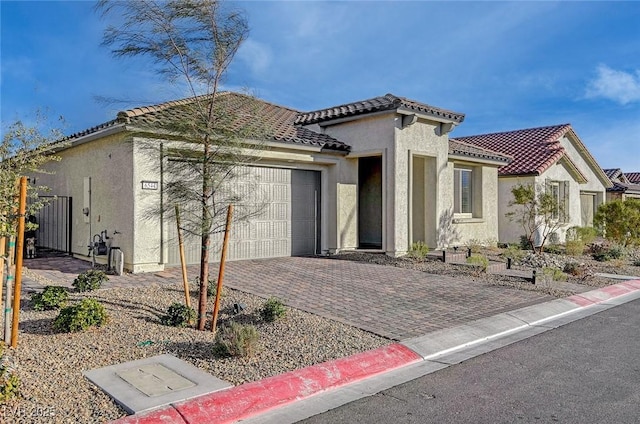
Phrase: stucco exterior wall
(109, 163)
(483, 226)
(509, 231)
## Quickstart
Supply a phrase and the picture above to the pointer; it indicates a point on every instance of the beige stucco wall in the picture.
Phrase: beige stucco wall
(108, 162)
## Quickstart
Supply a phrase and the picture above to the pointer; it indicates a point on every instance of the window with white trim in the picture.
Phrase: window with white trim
(463, 191)
(559, 190)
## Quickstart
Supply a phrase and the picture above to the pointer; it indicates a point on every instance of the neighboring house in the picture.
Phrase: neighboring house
(555, 157)
(623, 188)
(378, 174)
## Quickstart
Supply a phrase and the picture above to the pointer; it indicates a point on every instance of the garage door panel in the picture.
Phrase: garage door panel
(285, 220)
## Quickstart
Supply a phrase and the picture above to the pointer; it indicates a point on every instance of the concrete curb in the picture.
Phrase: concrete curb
(251, 399)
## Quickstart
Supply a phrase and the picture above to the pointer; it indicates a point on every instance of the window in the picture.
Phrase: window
(559, 191)
(462, 191)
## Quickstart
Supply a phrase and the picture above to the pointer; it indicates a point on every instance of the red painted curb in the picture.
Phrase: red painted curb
(603, 294)
(166, 415)
(251, 399)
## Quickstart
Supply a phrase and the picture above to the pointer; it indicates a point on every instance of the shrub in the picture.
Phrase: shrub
(52, 297)
(474, 245)
(90, 280)
(418, 250)
(212, 289)
(9, 381)
(524, 243)
(235, 340)
(555, 274)
(513, 252)
(620, 221)
(178, 315)
(574, 247)
(480, 260)
(603, 253)
(273, 309)
(81, 316)
(635, 262)
(555, 249)
(574, 268)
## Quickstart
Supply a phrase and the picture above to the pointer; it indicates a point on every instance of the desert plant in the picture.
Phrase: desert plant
(524, 243)
(474, 245)
(555, 274)
(418, 250)
(90, 280)
(574, 268)
(9, 381)
(479, 260)
(574, 247)
(273, 309)
(554, 248)
(235, 340)
(178, 315)
(79, 317)
(619, 221)
(603, 252)
(513, 252)
(52, 297)
(212, 289)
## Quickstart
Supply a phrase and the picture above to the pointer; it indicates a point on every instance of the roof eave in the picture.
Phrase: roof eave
(477, 159)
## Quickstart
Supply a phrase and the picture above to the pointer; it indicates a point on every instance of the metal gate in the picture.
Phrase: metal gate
(54, 223)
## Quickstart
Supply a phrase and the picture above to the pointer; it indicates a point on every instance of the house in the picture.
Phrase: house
(556, 157)
(378, 174)
(623, 187)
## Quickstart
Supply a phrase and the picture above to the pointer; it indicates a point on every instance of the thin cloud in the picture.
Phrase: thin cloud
(619, 86)
(256, 55)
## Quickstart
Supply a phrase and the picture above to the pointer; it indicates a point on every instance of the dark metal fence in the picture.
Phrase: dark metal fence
(54, 224)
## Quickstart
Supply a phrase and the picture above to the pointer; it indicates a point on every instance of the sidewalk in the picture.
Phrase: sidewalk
(296, 395)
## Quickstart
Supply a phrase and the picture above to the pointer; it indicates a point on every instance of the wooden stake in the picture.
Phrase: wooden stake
(22, 208)
(185, 281)
(216, 305)
(3, 243)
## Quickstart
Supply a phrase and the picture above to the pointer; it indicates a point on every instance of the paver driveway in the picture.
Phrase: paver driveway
(389, 301)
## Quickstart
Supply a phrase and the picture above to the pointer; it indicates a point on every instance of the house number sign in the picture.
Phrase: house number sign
(149, 185)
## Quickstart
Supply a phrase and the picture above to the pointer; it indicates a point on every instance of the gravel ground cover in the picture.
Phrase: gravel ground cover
(50, 364)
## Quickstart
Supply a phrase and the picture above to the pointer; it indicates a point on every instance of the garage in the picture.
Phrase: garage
(288, 223)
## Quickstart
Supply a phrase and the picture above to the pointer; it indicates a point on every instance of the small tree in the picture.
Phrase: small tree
(24, 150)
(620, 221)
(537, 211)
(192, 43)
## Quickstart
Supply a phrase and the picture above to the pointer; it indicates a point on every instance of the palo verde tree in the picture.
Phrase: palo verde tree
(538, 211)
(192, 43)
(23, 152)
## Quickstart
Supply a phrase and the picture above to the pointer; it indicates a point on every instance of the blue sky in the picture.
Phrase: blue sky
(506, 65)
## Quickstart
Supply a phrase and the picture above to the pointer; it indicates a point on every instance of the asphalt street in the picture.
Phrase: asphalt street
(585, 372)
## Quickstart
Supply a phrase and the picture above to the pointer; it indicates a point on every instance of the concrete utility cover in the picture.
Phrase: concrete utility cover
(153, 382)
(154, 379)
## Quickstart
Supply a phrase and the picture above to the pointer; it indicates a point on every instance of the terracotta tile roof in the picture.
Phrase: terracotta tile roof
(633, 177)
(457, 147)
(274, 122)
(376, 104)
(533, 150)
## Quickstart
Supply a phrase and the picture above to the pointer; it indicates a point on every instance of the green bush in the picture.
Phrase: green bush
(52, 297)
(212, 288)
(603, 253)
(574, 268)
(513, 252)
(273, 309)
(90, 280)
(235, 340)
(178, 315)
(418, 250)
(555, 249)
(480, 260)
(574, 247)
(474, 245)
(619, 221)
(555, 273)
(524, 243)
(9, 381)
(79, 317)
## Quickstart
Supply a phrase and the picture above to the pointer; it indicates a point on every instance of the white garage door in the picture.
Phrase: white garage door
(287, 224)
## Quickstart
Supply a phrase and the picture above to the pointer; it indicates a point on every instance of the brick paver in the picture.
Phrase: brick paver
(393, 302)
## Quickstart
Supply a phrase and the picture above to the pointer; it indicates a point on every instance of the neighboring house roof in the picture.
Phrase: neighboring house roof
(633, 177)
(616, 175)
(534, 150)
(275, 122)
(376, 104)
(625, 188)
(460, 148)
